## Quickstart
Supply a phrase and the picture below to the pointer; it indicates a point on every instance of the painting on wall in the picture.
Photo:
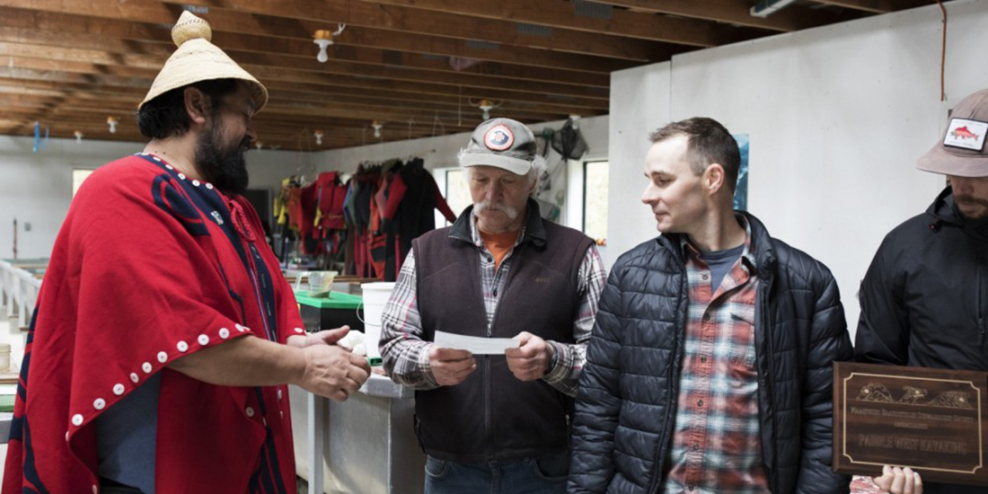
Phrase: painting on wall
(741, 192)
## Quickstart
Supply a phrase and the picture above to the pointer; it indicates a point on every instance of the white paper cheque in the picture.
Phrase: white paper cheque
(474, 344)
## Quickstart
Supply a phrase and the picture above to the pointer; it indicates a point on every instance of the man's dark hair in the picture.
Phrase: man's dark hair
(165, 115)
(709, 142)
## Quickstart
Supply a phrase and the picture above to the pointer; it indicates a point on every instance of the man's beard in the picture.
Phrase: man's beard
(224, 167)
(969, 201)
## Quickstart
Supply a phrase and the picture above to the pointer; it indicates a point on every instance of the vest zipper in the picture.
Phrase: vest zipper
(488, 392)
(487, 409)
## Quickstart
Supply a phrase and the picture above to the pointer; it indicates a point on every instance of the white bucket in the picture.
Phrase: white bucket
(376, 296)
(372, 339)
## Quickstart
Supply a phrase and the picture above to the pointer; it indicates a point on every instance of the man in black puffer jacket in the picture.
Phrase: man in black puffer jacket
(709, 369)
(924, 300)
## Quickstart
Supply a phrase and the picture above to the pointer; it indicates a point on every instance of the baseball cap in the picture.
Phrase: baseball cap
(502, 143)
(962, 151)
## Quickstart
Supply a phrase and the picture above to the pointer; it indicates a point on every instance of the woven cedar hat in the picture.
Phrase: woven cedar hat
(199, 60)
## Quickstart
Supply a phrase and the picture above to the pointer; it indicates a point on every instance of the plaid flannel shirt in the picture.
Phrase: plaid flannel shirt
(406, 355)
(716, 446)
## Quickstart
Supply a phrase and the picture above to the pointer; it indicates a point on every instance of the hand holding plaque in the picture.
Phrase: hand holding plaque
(895, 480)
(930, 420)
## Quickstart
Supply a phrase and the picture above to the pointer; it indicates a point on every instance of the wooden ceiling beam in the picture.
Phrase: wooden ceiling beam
(41, 70)
(286, 110)
(142, 37)
(876, 6)
(290, 92)
(125, 112)
(736, 12)
(566, 15)
(444, 24)
(63, 30)
(285, 18)
(284, 64)
(73, 72)
(491, 52)
(870, 6)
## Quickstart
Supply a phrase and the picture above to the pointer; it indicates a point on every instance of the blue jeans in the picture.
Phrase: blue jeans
(545, 475)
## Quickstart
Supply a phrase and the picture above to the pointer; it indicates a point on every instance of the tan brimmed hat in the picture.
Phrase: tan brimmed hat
(199, 60)
(963, 151)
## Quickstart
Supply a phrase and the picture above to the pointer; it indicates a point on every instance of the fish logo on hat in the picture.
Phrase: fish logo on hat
(966, 133)
(499, 138)
(963, 133)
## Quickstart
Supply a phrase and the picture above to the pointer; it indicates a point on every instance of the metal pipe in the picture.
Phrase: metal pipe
(765, 8)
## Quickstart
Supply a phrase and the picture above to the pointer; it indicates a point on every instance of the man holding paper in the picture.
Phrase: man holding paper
(497, 422)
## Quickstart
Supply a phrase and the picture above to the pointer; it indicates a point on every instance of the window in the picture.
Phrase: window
(595, 179)
(78, 176)
(453, 183)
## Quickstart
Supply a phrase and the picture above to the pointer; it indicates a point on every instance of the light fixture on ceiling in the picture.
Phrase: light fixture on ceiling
(319, 135)
(377, 124)
(112, 122)
(485, 105)
(324, 38)
(78, 135)
(765, 8)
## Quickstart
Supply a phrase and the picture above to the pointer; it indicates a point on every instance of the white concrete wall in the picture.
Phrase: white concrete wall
(36, 188)
(639, 104)
(837, 117)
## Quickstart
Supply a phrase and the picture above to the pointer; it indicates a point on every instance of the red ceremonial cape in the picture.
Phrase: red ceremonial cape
(148, 267)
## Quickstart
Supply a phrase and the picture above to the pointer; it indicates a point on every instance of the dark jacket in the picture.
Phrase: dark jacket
(626, 407)
(493, 416)
(925, 297)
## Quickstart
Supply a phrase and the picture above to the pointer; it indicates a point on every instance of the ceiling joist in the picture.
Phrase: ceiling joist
(421, 66)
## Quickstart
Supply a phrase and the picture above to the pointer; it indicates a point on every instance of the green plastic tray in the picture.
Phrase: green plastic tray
(336, 300)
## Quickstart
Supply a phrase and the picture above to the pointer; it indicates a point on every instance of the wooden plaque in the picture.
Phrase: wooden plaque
(930, 420)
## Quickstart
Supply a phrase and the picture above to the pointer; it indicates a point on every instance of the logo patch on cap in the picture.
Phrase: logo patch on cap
(966, 134)
(499, 138)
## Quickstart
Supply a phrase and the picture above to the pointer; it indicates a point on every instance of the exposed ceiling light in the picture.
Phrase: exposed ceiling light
(485, 105)
(324, 38)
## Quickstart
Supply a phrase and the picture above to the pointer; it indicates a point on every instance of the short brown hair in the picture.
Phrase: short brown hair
(708, 142)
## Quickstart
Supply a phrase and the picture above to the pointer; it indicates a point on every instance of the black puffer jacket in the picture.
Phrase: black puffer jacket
(924, 300)
(626, 407)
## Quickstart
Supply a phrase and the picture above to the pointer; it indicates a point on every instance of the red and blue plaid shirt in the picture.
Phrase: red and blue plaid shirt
(716, 446)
